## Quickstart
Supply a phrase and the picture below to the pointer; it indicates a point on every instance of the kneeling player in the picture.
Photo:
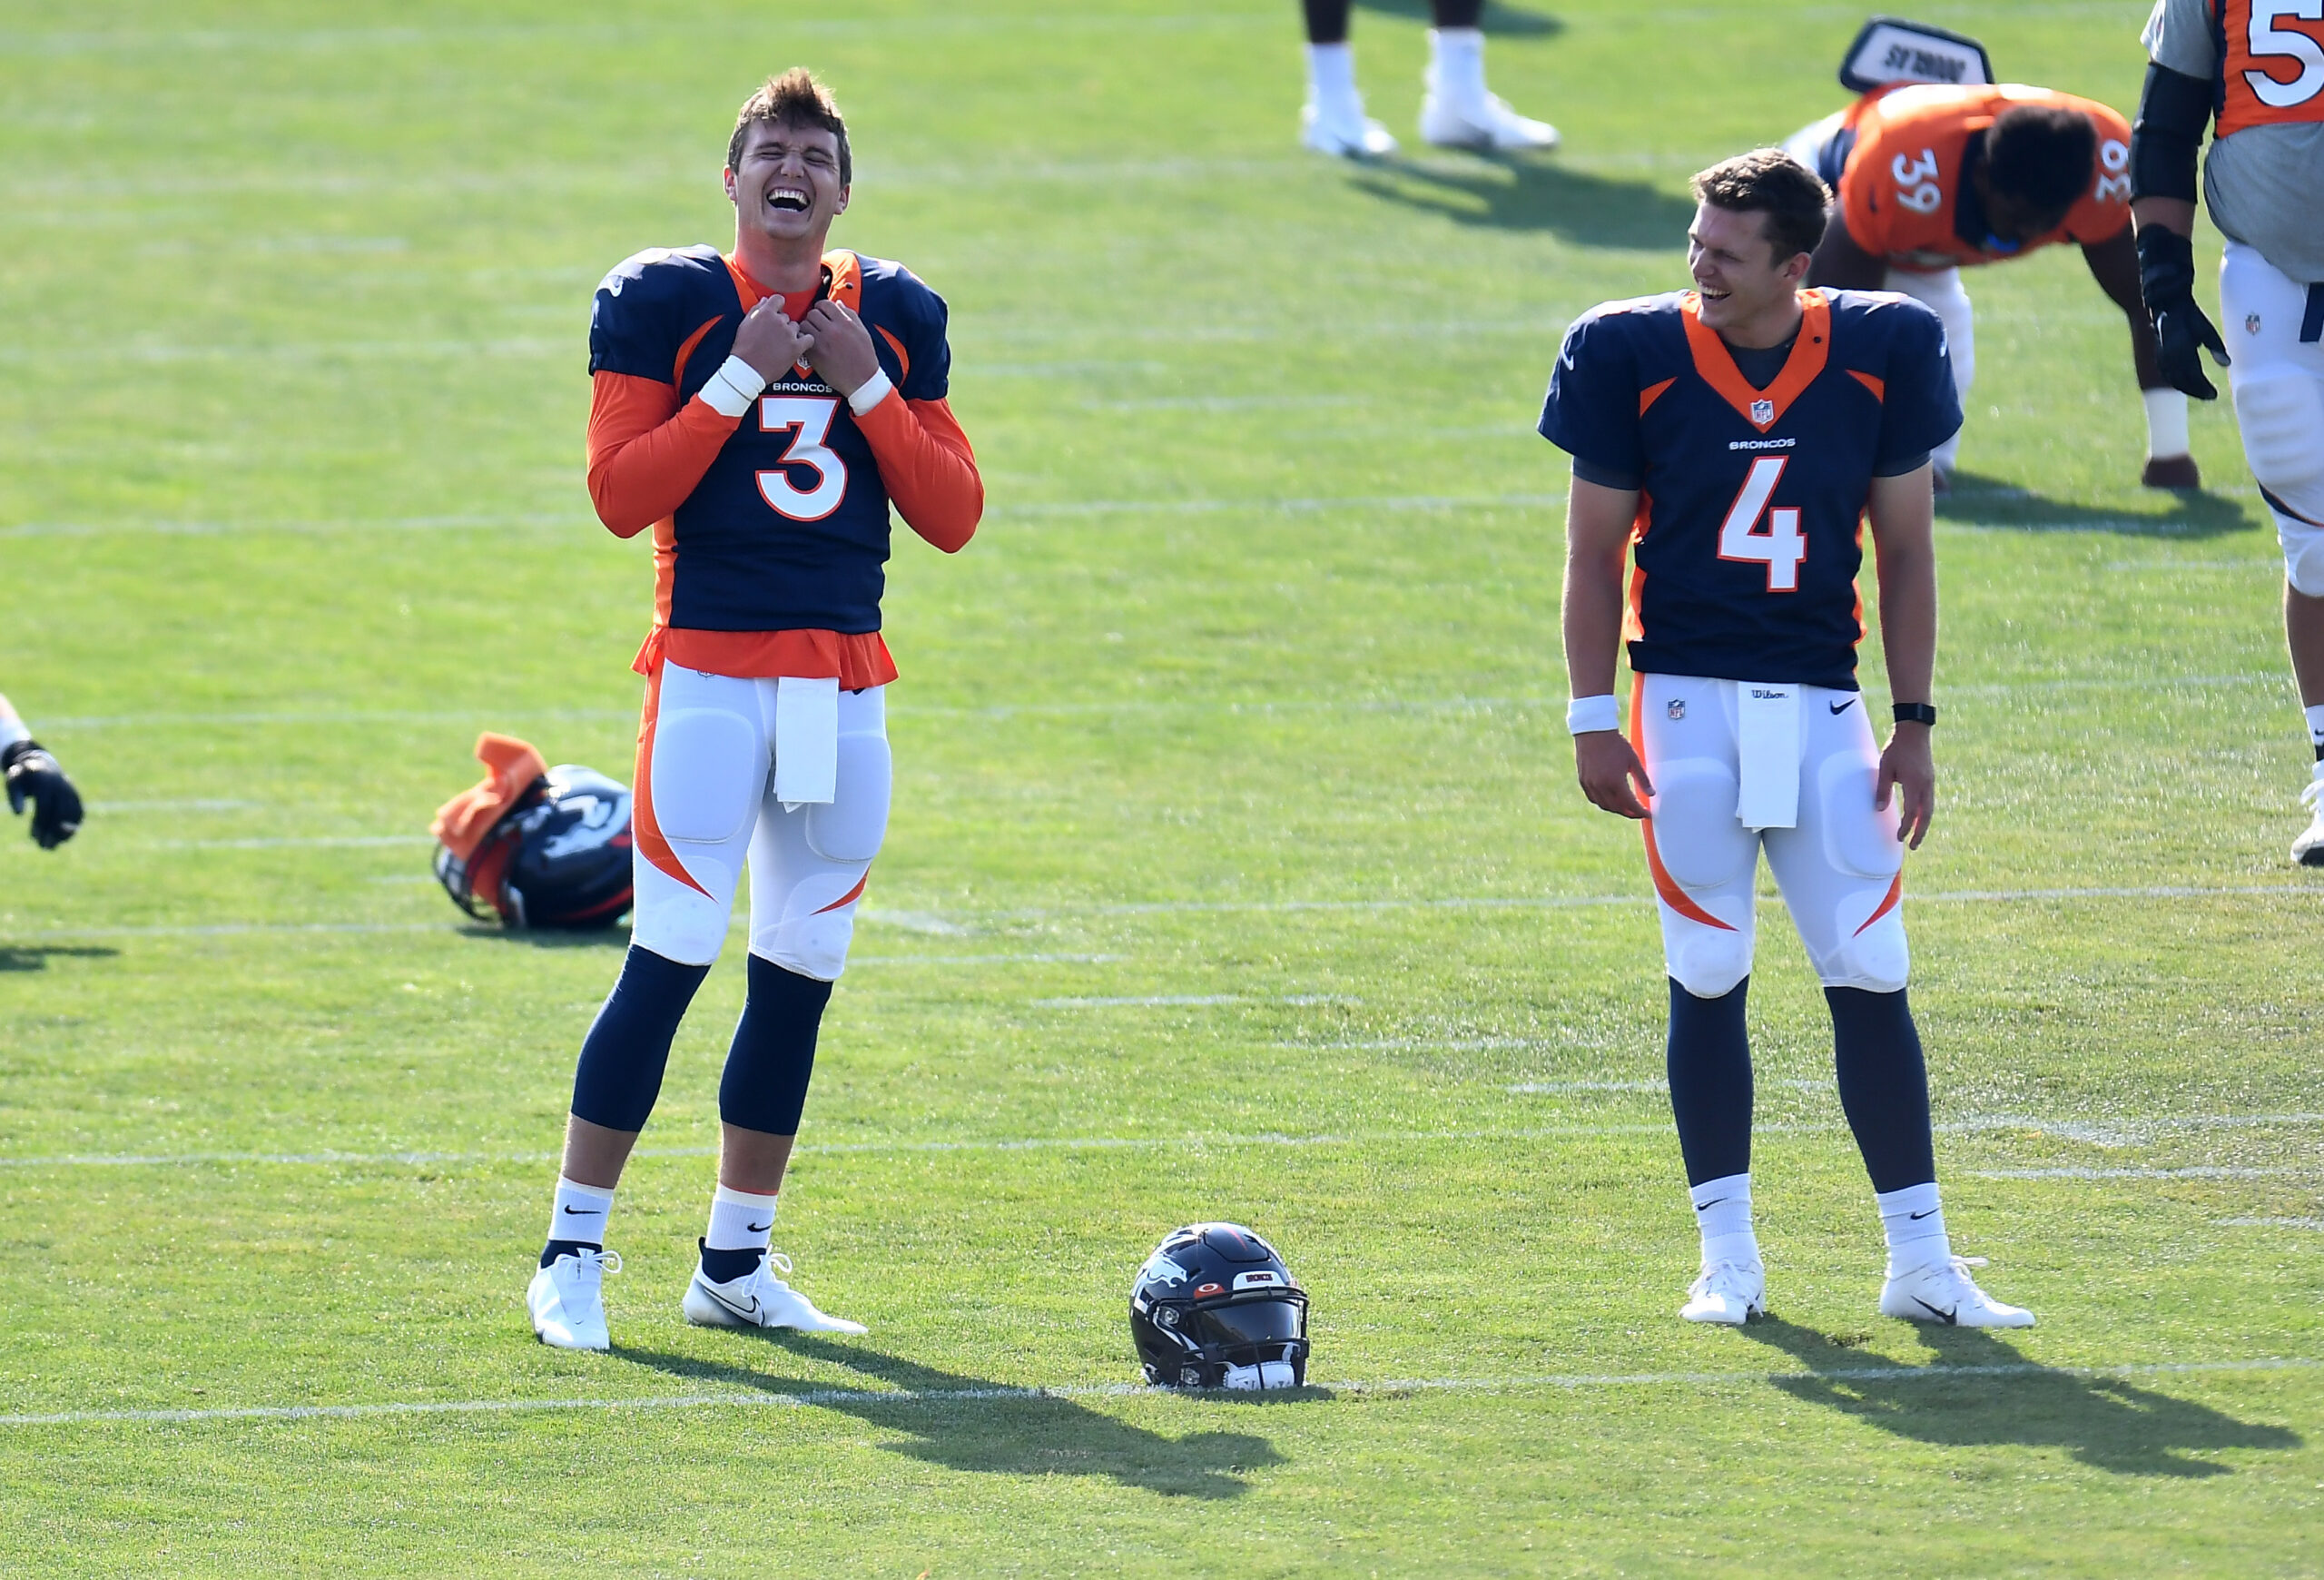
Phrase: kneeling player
(34, 780)
(1934, 178)
(759, 412)
(1732, 437)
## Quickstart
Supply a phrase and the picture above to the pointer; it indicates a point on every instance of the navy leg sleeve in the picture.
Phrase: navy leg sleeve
(628, 1044)
(767, 1069)
(1883, 1085)
(1710, 1082)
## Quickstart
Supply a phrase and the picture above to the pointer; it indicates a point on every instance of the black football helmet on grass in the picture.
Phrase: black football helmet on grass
(1215, 1308)
(559, 857)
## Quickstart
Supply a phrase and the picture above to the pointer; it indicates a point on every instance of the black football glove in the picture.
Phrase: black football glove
(33, 776)
(2167, 280)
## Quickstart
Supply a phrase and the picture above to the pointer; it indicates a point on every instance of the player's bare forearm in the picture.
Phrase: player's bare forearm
(1904, 544)
(1844, 265)
(2114, 265)
(1596, 536)
(2170, 213)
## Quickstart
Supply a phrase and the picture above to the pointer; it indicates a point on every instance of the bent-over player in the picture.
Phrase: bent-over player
(759, 412)
(1931, 179)
(2263, 181)
(1732, 439)
(34, 780)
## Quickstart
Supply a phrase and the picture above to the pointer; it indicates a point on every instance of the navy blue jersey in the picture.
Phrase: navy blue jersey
(1751, 506)
(788, 530)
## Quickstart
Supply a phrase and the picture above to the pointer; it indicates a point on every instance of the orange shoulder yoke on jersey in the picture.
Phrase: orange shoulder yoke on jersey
(511, 767)
(1810, 349)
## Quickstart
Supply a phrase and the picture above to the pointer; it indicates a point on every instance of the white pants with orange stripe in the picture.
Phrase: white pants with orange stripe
(1840, 866)
(705, 801)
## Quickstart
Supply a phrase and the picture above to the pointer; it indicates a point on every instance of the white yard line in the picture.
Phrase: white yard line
(890, 1399)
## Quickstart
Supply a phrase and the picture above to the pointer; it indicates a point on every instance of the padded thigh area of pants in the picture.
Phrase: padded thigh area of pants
(1858, 837)
(851, 827)
(2280, 410)
(1695, 832)
(707, 774)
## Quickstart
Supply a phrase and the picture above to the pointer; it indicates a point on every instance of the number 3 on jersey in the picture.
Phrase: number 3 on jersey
(1779, 547)
(811, 416)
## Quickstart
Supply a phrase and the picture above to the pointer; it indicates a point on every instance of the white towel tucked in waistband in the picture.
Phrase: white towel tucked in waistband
(806, 740)
(1767, 741)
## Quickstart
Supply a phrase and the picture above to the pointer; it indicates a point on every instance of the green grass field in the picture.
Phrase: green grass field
(1236, 869)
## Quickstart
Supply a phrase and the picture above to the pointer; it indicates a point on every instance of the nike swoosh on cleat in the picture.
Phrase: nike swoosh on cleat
(1943, 1316)
(1841, 706)
(1916, 1217)
(761, 1227)
(751, 1310)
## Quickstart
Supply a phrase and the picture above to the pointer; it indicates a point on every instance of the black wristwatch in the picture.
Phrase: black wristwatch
(1919, 713)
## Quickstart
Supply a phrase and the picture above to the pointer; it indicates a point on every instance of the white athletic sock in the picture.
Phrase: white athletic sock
(1723, 1214)
(579, 1213)
(2166, 423)
(1914, 1222)
(1456, 67)
(739, 1221)
(2316, 726)
(1331, 78)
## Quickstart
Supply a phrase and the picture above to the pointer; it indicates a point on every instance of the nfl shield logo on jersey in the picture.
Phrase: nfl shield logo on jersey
(1763, 412)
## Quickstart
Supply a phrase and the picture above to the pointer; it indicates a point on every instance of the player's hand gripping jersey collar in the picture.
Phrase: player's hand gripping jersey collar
(1903, 192)
(1750, 511)
(777, 522)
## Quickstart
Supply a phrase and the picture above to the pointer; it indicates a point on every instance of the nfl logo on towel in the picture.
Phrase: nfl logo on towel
(1763, 412)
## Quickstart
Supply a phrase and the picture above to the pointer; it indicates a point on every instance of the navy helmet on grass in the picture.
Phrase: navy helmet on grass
(1215, 1308)
(533, 846)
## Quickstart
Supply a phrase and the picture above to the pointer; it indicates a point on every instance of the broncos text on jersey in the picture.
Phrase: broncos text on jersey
(1749, 534)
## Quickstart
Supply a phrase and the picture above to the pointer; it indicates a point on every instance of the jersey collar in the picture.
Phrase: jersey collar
(1762, 409)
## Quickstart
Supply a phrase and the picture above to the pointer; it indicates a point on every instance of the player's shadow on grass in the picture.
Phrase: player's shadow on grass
(1520, 195)
(994, 1428)
(1500, 20)
(36, 957)
(1984, 502)
(1980, 1390)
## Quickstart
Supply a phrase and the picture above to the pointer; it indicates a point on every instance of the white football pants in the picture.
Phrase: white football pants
(1840, 866)
(706, 799)
(2277, 384)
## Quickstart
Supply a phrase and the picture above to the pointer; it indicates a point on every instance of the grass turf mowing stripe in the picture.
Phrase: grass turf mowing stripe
(1318, 1393)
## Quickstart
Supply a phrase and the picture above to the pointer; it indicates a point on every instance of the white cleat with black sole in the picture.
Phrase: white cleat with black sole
(1488, 124)
(1730, 1293)
(2307, 850)
(567, 1300)
(1943, 1292)
(1344, 131)
(759, 1299)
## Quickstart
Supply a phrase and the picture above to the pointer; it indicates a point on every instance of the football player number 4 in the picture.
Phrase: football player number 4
(810, 419)
(1777, 545)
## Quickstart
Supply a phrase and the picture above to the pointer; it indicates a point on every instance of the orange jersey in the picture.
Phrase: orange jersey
(1901, 191)
(2273, 73)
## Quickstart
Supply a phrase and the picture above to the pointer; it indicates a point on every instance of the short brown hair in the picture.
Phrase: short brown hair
(1769, 182)
(795, 99)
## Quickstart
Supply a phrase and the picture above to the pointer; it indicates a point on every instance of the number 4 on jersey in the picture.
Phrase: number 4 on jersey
(1779, 547)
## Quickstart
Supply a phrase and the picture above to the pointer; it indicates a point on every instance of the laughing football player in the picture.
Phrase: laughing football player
(1732, 439)
(1933, 179)
(759, 412)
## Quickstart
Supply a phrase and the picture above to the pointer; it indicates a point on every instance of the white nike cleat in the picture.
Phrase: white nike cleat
(567, 1300)
(1491, 125)
(1345, 132)
(2307, 850)
(1943, 1292)
(759, 1299)
(1728, 1292)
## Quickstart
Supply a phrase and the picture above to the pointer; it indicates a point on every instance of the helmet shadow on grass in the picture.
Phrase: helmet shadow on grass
(1983, 501)
(992, 1427)
(1980, 1390)
(1537, 195)
(36, 957)
(551, 937)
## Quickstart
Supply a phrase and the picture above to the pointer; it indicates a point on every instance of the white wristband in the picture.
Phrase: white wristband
(870, 392)
(1588, 715)
(2166, 423)
(730, 390)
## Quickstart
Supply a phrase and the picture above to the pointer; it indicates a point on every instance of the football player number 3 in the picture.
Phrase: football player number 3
(1777, 545)
(809, 417)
